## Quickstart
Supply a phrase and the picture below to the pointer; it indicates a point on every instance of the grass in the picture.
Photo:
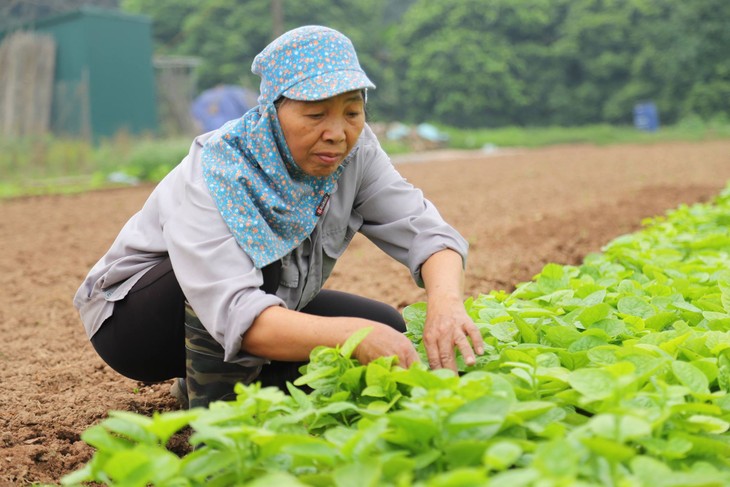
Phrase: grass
(690, 129)
(50, 165)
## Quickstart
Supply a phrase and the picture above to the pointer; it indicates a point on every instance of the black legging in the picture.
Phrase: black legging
(144, 338)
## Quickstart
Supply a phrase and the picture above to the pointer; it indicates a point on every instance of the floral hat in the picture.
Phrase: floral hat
(309, 63)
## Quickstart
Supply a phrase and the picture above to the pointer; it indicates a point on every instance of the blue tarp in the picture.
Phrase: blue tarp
(646, 116)
(215, 106)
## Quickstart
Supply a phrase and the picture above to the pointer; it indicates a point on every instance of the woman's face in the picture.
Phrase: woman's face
(321, 133)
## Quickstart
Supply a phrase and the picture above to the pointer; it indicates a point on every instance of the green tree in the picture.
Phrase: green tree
(707, 23)
(227, 35)
(167, 16)
(467, 62)
(484, 62)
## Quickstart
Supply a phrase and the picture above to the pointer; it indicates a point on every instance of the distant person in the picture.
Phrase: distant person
(218, 278)
(217, 105)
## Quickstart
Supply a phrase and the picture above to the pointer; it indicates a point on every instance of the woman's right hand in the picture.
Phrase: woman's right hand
(305, 331)
(384, 341)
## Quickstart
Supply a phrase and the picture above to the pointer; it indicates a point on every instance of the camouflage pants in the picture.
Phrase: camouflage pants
(210, 379)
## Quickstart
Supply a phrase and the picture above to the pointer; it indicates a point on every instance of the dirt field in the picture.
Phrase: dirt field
(518, 209)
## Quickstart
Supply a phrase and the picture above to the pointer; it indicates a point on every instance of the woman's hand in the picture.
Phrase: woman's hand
(384, 341)
(448, 326)
(305, 331)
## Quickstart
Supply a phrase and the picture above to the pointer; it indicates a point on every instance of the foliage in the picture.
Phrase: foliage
(56, 165)
(690, 129)
(486, 63)
(614, 372)
(227, 35)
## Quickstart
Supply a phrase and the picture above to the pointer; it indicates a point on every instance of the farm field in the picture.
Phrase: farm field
(518, 209)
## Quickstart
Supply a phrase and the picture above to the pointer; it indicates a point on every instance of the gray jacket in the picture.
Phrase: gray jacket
(220, 281)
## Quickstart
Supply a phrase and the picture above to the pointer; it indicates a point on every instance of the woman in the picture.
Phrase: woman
(218, 278)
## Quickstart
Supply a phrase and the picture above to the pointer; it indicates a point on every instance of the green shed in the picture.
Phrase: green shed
(104, 78)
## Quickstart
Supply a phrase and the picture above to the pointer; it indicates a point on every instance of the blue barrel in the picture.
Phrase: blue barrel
(646, 116)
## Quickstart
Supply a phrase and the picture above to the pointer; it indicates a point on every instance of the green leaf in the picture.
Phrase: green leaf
(605, 355)
(299, 396)
(353, 341)
(591, 314)
(562, 336)
(706, 445)
(98, 437)
(132, 426)
(557, 458)
(142, 465)
(595, 297)
(650, 470)
(418, 376)
(301, 447)
(502, 455)
(84, 474)
(593, 384)
(635, 306)
(552, 278)
(276, 478)
(609, 449)
(415, 314)
(480, 418)
(518, 356)
(619, 427)
(206, 463)
(527, 331)
(366, 474)
(673, 448)
(373, 391)
(167, 424)
(725, 294)
(504, 332)
(413, 426)
(461, 477)
(611, 326)
(368, 435)
(709, 424)
(661, 320)
(464, 453)
(691, 377)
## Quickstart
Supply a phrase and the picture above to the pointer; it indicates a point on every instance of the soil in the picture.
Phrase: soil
(518, 209)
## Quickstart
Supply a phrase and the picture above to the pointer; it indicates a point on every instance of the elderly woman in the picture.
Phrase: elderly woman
(218, 278)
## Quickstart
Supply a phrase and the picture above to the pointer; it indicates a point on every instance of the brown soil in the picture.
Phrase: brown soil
(518, 209)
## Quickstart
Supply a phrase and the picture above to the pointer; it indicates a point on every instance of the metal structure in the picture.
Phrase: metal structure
(103, 79)
(22, 12)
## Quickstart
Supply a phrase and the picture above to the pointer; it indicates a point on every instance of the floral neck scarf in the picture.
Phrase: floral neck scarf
(268, 203)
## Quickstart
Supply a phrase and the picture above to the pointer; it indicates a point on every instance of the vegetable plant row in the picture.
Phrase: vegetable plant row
(612, 373)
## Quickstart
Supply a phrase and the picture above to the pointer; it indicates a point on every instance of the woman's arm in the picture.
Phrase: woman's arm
(283, 334)
(447, 323)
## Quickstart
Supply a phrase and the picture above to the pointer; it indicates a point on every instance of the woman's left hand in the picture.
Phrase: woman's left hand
(449, 327)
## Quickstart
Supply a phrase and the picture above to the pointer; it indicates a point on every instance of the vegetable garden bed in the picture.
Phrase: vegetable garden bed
(612, 372)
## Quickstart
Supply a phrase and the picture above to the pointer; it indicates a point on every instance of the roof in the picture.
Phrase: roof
(85, 11)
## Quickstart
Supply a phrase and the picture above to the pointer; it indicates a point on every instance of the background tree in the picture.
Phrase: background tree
(470, 62)
(484, 62)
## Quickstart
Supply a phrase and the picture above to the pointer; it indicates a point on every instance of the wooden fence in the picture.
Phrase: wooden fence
(27, 63)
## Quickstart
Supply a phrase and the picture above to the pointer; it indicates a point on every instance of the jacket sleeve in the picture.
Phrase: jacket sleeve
(218, 279)
(396, 215)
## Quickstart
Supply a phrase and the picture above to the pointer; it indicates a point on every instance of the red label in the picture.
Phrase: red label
(322, 204)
